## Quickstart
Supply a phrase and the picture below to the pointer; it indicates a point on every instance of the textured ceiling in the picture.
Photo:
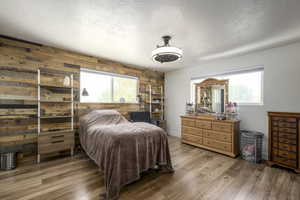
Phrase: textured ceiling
(128, 30)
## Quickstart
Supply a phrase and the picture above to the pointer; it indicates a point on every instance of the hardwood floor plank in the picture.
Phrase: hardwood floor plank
(199, 175)
(295, 191)
(250, 182)
(169, 180)
(240, 173)
(262, 188)
(281, 188)
(205, 177)
(30, 191)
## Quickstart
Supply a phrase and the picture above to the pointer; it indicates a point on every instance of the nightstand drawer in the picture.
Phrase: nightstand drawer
(51, 142)
(45, 138)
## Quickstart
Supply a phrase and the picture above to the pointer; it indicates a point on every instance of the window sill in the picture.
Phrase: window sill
(250, 104)
(108, 103)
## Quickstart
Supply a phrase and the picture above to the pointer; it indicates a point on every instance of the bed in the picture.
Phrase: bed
(122, 149)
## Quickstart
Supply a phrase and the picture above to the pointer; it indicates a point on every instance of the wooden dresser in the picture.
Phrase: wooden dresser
(284, 140)
(221, 136)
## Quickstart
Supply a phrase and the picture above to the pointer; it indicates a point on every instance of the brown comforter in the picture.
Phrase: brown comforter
(122, 149)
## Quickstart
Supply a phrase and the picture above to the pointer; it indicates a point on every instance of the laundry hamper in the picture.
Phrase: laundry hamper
(8, 161)
(251, 145)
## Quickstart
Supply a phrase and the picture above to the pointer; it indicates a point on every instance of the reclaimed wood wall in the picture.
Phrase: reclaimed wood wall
(19, 62)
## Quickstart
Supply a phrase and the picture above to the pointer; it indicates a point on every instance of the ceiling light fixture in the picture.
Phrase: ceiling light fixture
(166, 53)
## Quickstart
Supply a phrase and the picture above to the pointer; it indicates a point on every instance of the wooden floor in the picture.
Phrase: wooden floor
(199, 174)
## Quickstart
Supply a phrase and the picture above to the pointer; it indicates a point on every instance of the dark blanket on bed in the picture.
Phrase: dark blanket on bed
(122, 149)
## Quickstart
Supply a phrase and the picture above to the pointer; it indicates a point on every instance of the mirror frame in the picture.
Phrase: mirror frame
(211, 82)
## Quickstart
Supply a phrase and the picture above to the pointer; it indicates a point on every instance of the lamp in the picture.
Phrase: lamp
(84, 92)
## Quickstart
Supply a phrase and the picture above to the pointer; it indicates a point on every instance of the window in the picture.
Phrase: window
(245, 87)
(102, 87)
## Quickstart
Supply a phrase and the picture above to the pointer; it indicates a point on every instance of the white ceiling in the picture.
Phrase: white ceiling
(128, 30)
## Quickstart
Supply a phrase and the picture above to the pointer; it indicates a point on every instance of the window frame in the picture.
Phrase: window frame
(111, 74)
(236, 72)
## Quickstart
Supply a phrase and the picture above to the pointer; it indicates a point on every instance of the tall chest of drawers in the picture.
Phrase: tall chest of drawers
(221, 136)
(284, 139)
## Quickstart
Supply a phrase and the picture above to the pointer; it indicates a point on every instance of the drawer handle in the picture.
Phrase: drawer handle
(57, 136)
(59, 141)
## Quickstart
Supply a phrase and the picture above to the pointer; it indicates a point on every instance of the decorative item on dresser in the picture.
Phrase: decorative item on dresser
(204, 131)
(55, 113)
(284, 140)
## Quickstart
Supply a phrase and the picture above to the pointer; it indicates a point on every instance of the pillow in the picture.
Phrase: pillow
(103, 117)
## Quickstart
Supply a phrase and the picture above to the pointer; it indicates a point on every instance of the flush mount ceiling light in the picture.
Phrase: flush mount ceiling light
(166, 53)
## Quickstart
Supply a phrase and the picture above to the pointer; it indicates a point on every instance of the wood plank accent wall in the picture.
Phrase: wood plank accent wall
(19, 61)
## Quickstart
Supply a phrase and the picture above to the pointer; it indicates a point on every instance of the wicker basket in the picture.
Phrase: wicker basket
(251, 145)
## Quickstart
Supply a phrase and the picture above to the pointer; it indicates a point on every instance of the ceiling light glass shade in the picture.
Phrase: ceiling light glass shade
(166, 54)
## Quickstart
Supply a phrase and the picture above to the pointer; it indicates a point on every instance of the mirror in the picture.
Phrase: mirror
(211, 96)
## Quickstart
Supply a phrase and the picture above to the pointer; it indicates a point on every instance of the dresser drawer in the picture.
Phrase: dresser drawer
(284, 124)
(284, 140)
(205, 124)
(55, 142)
(217, 145)
(285, 147)
(285, 135)
(188, 122)
(284, 119)
(284, 154)
(192, 138)
(285, 161)
(191, 130)
(285, 130)
(221, 126)
(220, 136)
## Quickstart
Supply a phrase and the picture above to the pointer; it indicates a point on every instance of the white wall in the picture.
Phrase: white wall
(281, 86)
